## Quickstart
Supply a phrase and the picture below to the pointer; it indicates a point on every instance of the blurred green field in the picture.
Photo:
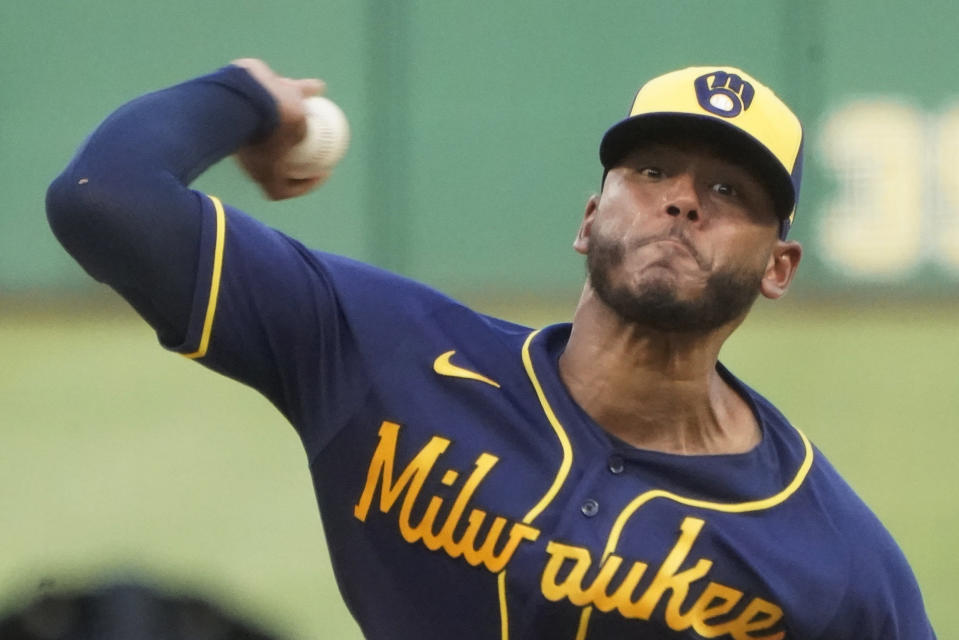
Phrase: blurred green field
(119, 459)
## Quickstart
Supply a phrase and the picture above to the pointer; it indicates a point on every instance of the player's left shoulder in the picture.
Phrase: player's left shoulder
(842, 504)
(882, 595)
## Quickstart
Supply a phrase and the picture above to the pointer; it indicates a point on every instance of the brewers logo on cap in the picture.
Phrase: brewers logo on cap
(724, 94)
(761, 122)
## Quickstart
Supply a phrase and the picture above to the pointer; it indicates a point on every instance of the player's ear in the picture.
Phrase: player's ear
(781, 268)
(581, 243)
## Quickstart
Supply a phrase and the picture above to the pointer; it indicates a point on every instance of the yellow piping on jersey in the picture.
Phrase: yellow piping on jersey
(554, 488)
(214, 281)
(734, 507)
(640, 500)
(503, 611)
(567, 462)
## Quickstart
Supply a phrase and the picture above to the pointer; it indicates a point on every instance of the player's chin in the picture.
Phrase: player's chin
(668, 285)
(683, 280)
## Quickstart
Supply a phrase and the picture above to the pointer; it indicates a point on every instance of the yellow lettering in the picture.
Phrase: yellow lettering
(668, 578)
(597, 593)
(444, 538)
(571, 586)
(759, 615)
(409, 531)
(380, 476)
(486, 553)
(381, 472)
(517, 533)
(622, 598)
(706, 607)
(467, 544)
(716, 599)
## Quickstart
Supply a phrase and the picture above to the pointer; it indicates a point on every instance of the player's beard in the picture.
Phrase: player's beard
(727, 295)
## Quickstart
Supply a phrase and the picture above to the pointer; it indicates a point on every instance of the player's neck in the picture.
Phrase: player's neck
(655, 390)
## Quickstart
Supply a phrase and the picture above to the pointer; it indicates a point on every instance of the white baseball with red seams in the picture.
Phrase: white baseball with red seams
(326, 140)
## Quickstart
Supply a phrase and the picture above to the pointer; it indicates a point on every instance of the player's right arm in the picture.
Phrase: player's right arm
(307, 329)
(216, 285)
(122, 207)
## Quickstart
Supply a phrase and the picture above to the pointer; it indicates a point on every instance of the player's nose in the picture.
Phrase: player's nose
(681, 198)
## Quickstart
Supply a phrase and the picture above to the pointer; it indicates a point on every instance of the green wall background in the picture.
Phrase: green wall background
(476, 125)
(475, 135)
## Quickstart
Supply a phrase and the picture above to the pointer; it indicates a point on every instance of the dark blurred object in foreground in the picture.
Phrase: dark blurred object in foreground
(124, 612)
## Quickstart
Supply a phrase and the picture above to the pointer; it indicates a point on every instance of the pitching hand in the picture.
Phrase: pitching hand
(262, 160)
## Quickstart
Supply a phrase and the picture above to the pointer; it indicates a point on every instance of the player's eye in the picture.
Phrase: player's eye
(725, 189)
(651, 172)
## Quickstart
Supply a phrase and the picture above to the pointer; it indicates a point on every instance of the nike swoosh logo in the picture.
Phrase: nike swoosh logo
(444, 367)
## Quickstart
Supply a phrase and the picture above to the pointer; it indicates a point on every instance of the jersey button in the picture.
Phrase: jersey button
(590, 508)
(615, 464)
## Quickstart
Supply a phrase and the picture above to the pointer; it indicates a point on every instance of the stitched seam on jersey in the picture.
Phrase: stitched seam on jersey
(214, 281)
(733, 507)
(840, 609)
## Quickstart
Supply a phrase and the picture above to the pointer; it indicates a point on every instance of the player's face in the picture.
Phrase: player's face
(680, 239)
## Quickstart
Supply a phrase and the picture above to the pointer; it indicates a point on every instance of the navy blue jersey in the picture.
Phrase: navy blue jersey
(465, 494)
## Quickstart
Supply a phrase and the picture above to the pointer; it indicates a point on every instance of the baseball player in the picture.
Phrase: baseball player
(477, 479)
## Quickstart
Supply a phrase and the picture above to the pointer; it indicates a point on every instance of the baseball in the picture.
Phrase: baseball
(327, 136)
